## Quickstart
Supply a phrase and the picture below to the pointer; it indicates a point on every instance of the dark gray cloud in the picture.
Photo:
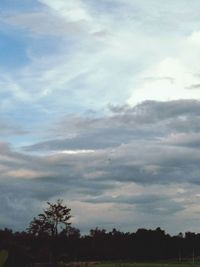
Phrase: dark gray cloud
(154, 142)
(148, 120)
(156, 204)
(153, 145)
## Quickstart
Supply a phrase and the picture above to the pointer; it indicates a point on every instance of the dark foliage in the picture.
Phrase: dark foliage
(144, 245)
(54, 217)
(50, 238)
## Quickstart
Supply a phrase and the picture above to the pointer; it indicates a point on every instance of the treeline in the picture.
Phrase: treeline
(51, 239)
(26, 249)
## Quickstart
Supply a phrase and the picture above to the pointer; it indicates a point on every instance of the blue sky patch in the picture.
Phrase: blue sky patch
(18, 5)
(13, 49)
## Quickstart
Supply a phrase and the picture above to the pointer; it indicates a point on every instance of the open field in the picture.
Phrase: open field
(122, 264)
(130, 264)
(147, 265)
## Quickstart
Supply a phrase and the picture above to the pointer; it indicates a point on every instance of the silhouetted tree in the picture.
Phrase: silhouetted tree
(54, 217)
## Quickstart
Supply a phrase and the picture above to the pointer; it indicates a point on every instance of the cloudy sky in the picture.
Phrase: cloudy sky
(100, 106)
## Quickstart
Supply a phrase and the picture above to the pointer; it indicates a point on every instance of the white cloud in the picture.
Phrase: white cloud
(109, 59)
(73, 10)
(172, 77)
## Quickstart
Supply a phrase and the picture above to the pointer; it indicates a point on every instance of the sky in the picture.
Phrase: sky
(100, 107)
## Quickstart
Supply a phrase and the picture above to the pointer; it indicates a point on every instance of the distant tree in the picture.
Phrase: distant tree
(96, 233)
(54, 218)
(71, 232)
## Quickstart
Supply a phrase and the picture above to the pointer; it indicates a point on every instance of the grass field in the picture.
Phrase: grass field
(147, 265)
(131, 264)
(123, 264)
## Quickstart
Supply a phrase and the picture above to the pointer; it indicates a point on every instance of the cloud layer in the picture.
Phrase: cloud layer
(141, 161)
(99, 105)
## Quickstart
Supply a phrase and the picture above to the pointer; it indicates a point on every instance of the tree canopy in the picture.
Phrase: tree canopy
(54, 218)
